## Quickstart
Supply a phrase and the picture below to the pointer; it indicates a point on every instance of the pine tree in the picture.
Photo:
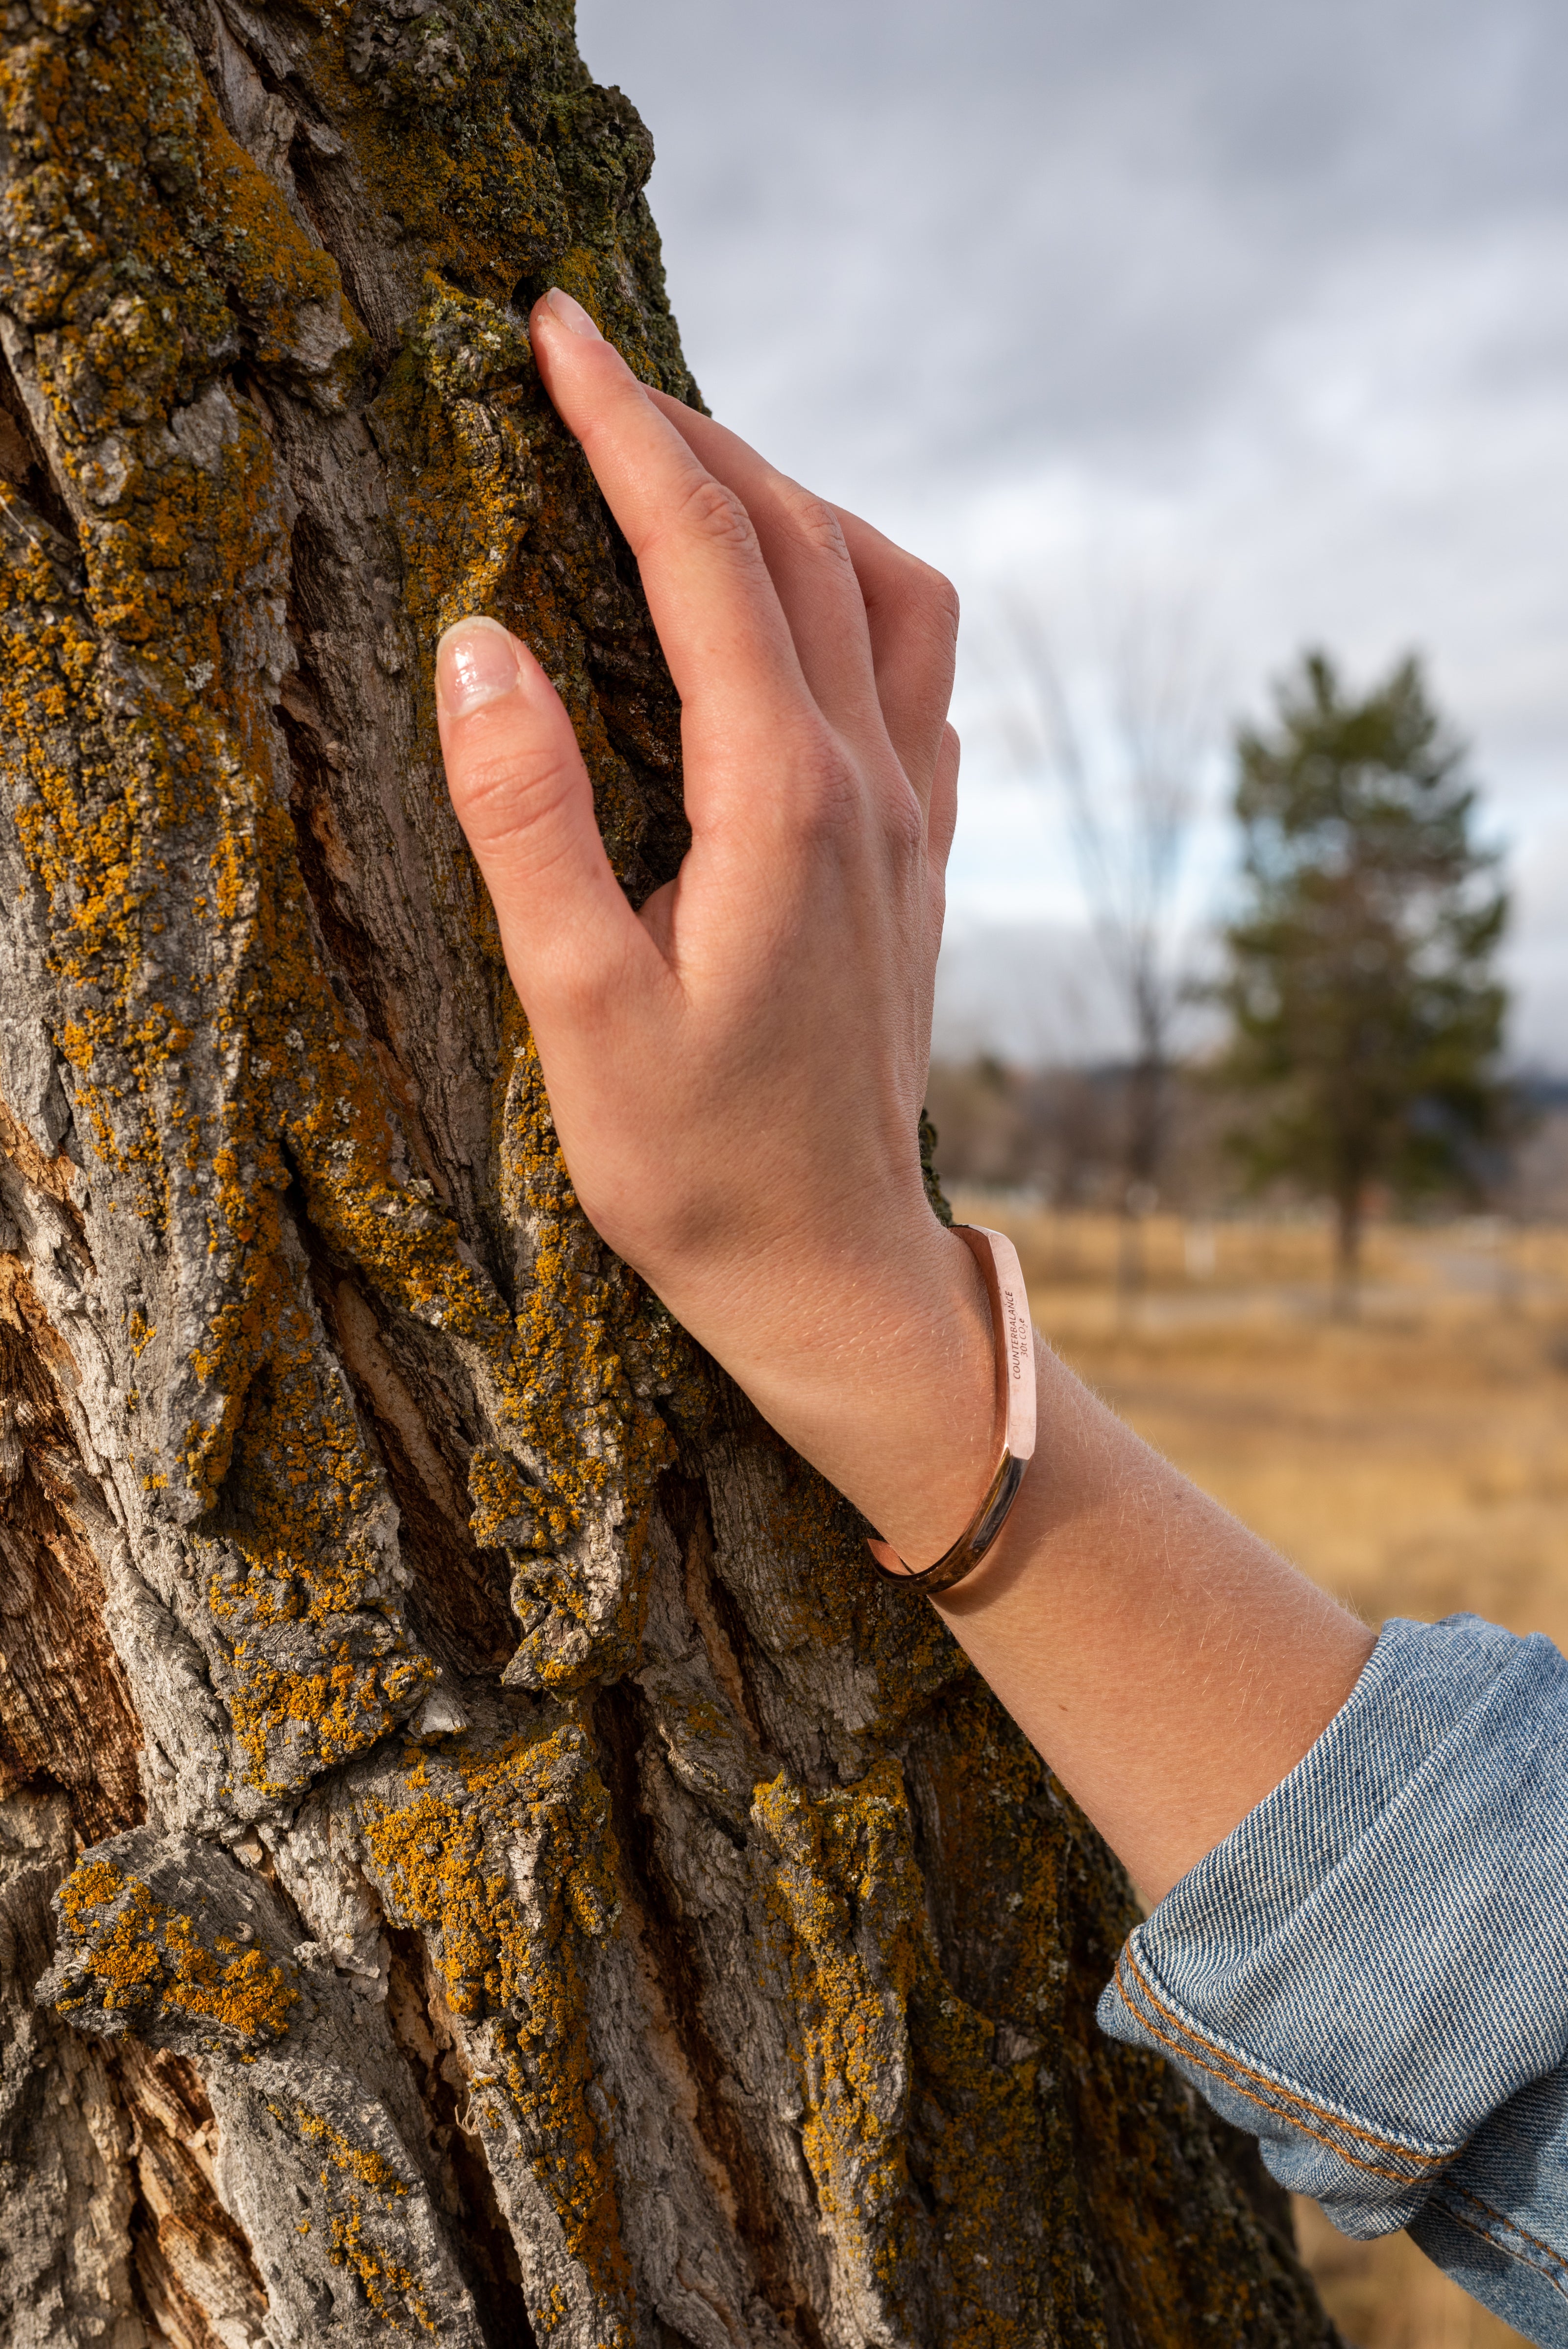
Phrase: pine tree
(1367, 1012)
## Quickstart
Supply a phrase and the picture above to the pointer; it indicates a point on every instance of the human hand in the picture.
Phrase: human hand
(736, 1070)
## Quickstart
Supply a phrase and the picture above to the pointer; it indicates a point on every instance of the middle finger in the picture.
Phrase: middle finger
(810, 564)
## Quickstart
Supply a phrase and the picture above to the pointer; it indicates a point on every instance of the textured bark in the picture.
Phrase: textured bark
(480, 1856)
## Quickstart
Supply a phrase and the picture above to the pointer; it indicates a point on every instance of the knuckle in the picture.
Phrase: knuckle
(927, 598)
(497, 789)
(823, 796)
(933, 598)
(903, 824)
(710, 510)
(813, 521)
(579, 992)
(587, 986)
(828, 789)
(942, 598)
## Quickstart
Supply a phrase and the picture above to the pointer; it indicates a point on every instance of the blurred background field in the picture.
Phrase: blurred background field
(1414, 1461)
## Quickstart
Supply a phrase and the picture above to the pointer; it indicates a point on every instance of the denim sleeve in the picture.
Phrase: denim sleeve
(1371, 1972)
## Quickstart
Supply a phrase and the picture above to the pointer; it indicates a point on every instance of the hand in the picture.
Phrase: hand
(737, 1071)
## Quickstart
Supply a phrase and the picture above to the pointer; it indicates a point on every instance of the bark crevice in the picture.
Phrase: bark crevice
(24, 463)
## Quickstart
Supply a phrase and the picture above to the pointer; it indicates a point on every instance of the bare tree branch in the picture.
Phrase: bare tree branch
(1119, 738)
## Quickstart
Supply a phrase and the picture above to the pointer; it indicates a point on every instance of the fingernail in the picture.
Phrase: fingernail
(476, 662)
(572, 315)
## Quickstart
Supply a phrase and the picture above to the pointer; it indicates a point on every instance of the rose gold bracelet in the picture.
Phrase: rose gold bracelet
(998, 1260)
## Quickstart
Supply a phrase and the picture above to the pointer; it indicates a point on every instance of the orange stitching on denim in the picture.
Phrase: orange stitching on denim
(1286, 2095)
(1556, 2256)
(1490, 2240)
(1340, 2152)
(1290, 2096)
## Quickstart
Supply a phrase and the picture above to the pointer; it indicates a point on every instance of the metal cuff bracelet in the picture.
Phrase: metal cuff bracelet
(998, 1260)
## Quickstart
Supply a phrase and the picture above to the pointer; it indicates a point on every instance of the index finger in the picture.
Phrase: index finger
(709, 592)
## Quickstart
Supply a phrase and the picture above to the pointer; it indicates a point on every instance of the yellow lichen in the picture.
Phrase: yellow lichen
(361, 2162)
(347, 2173)
(383, 2278)
(845, 1876)
(899, 2073)
(187, 538)
(445, 1856)
(146, 1958)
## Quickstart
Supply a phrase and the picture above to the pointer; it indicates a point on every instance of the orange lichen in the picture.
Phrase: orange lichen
(127, 799)
(348, 2172)
(447, 1855)
(845, 1878)
(381, 2277)
(899, 2073)
(585, 1326)
(145, 1958)
(364, 2163)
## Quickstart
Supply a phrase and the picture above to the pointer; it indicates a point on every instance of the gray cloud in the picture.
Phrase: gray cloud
(1266, 303)
(1021, 221)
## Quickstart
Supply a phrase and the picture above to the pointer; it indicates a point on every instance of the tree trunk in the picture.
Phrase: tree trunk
(516, 1876)
(1142, 1154)
(1349, 1221)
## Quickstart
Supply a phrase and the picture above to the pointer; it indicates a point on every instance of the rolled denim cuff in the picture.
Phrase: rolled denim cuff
(1376, 1960)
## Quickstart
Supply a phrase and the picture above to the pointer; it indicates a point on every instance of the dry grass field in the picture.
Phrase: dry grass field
(1415, 1462)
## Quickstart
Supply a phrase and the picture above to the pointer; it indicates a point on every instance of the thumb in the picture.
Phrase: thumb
(521, 794)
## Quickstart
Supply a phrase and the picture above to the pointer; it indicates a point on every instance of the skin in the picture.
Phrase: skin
(736, 1072)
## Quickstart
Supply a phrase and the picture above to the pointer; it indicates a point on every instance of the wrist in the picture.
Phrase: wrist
(876, 1361)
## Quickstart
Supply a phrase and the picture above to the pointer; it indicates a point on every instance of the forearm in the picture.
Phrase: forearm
(1169, 1666)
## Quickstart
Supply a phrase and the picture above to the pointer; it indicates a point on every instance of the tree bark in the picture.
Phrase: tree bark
(481, 1856)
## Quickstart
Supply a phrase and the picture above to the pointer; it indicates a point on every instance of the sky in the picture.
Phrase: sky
(1250, 318)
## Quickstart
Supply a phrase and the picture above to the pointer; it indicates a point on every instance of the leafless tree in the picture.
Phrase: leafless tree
(1119, 735)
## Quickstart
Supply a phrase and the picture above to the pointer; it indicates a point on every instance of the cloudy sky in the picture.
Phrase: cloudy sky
(1246, 310)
